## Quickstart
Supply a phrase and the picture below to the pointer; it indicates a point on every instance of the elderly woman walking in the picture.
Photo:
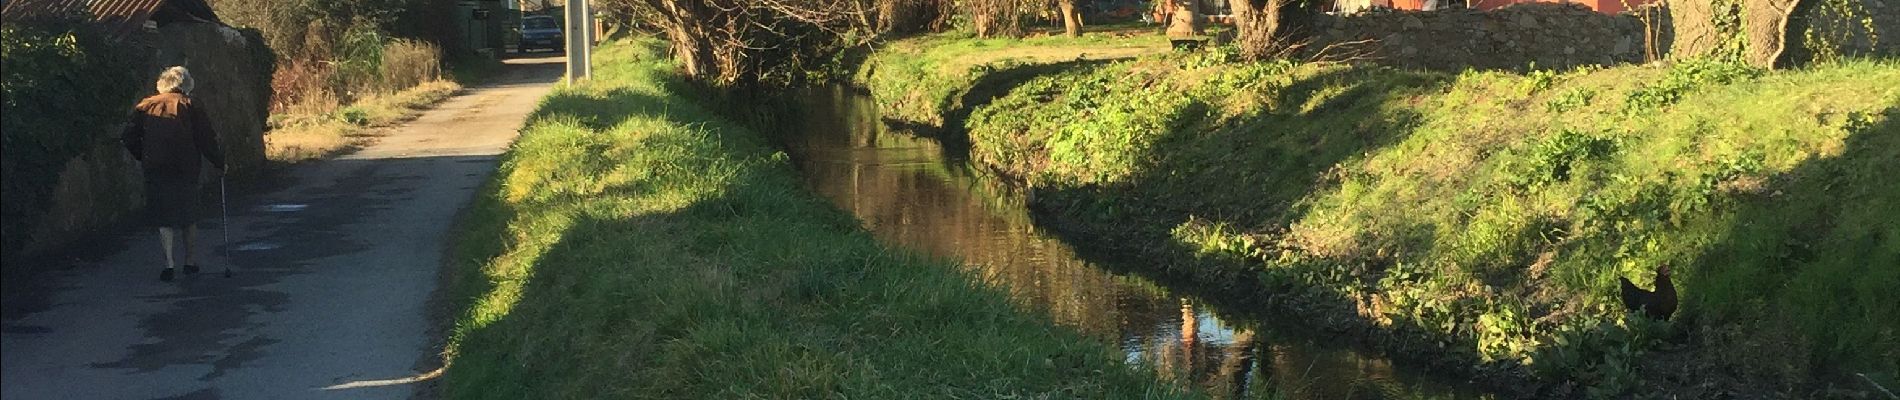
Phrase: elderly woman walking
(169, 135)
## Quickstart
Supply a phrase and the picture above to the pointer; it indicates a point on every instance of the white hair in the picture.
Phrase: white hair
(175, 79)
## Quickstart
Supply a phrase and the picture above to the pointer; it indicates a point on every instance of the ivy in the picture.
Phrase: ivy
(1732, 39)
(65, 88)
(1833, 27)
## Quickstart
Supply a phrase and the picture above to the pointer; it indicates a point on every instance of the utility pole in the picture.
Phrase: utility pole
(580, 41)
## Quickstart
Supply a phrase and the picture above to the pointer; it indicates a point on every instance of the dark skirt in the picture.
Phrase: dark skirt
(171, 199)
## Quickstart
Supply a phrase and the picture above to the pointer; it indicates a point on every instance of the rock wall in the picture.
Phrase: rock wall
(234, 83)
(1824, 29)
(1547, 35)
(1886, 19)
(232, 71)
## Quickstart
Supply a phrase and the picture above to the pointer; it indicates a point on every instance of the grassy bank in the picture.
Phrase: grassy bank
(309, 135)
(921, 80)
(635, 245)
(1484, 218)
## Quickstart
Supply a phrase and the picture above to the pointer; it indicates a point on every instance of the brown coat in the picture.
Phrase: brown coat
(168, 135)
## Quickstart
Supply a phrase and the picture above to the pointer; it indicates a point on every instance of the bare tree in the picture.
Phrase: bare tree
(728, 42)
(995, 18)
(912, 16)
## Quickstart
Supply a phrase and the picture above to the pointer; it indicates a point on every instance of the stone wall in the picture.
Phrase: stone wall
(1548, 35)
(1886, 15)
(234, 83)
(1839, 32)
(102, 185)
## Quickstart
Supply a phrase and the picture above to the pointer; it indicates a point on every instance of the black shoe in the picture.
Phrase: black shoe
(190, 269)
(165, 276)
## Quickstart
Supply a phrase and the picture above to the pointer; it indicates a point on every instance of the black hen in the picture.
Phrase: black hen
(1658, 304)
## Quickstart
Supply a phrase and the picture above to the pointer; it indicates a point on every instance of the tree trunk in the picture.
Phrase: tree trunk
(1244, 12)
(692, 45)
(1269, 28)
(1071, 19)
(982, 23)
(1186, 20)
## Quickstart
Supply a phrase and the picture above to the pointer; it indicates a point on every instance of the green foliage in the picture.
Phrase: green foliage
(1727, 17)
(358, 61)
(367, 62)
(337, 51)
(1838, 29)
(354, 115)
(1096, 123)
(65, 90)
(1215, 56)
(1218, 239)
(1570, 100)
(1603, 355)
(922, 79)
(1553, 159)
(1682, 78)
(1537, 80)
(634, 244)
(1492, 185)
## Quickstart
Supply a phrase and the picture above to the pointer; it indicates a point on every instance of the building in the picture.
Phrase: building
(484, 24)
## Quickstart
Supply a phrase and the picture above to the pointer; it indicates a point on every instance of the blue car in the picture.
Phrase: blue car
(541, 32)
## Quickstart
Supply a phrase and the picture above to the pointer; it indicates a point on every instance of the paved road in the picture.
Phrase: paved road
(335, 267)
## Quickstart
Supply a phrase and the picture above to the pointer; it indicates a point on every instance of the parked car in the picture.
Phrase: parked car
(541, 32)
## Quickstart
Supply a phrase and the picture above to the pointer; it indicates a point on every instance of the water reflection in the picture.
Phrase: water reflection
(905, 191)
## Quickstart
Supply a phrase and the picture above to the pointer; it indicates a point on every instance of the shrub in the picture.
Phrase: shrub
(334, 52)
(302, 87)
(407, 63)
(66, 87)
(359, 62)
(1684, 78)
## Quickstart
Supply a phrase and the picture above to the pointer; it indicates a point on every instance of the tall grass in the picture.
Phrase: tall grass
(407, 63)
(323, 105)
(303, 87)
(305, 134)
(635, 245)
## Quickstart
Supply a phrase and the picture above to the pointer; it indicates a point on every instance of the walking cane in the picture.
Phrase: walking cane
(224, 230)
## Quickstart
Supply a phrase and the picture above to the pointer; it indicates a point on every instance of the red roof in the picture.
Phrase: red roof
(118, 17)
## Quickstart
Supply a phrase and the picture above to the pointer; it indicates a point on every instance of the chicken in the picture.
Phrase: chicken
(1659, 304)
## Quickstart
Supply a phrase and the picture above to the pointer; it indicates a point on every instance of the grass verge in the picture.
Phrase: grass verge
(1493, 212)
(303, 137)
(636, 245)
(922, 80)
(1484, 218)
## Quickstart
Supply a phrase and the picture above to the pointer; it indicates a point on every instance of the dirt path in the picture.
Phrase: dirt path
(335, 266)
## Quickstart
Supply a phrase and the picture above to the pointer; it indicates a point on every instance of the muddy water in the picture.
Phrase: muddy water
(920, 194)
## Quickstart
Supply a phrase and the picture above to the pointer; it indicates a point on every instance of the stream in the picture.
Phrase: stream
(916, 193)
